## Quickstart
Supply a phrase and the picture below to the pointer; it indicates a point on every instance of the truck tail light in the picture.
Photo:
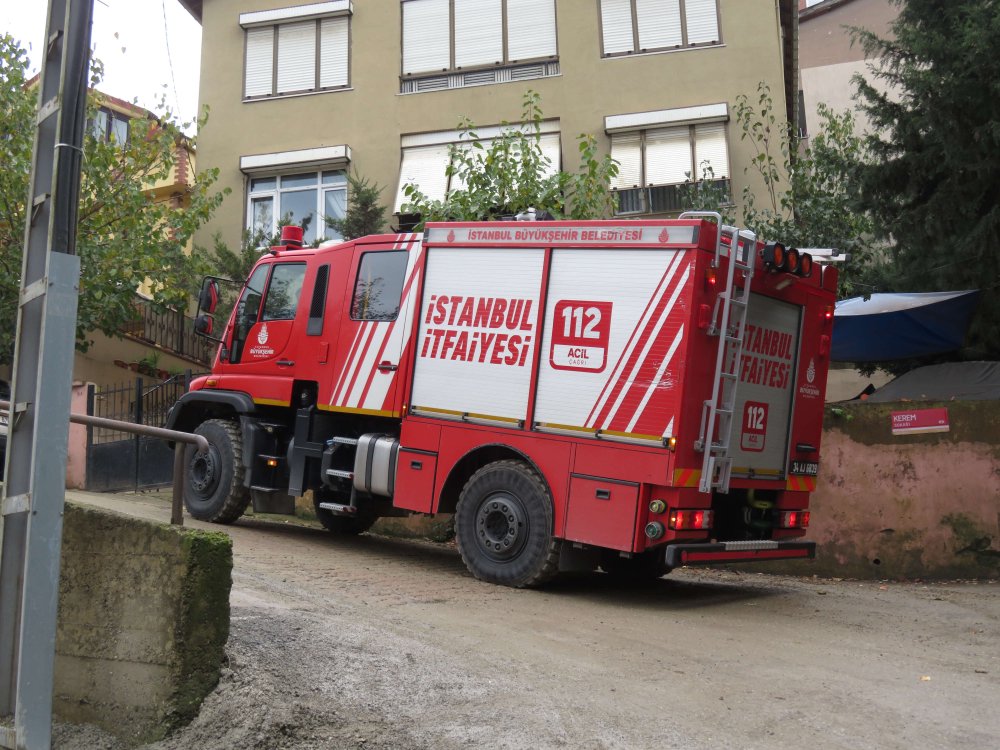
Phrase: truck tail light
(687, 520)
(792, 519)
(710, 279)
(828, 312)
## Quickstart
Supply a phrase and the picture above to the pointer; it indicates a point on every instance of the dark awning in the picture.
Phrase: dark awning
(901, 325)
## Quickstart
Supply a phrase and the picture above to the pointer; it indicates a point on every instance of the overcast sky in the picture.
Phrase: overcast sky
(132, 39)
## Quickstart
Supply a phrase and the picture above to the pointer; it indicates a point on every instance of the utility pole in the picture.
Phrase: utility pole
(35, 488)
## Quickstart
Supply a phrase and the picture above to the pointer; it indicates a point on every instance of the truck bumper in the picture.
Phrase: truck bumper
(728, 552)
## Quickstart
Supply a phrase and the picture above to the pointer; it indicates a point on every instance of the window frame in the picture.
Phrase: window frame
(104, 134)
(637, 50)
(318, 54)
(644, 185)
(278, 190)
(454, 69)
(357, 280)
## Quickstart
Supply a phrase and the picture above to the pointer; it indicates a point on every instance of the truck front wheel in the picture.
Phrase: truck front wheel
(503, 526)
(213, 479)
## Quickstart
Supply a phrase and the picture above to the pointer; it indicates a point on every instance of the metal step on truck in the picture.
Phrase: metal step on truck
(629, 395)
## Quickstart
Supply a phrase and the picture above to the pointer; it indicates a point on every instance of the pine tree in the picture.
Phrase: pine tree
(933, 185)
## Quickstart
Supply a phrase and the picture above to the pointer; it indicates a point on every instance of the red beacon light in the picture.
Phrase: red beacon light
(291, 236)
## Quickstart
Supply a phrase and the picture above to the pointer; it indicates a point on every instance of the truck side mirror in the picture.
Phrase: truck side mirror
(203, 325)
(208, 300)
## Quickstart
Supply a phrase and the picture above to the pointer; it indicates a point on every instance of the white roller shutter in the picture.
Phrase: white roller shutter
(426, 36)
(260, 62)
(710, 146)
(531, 29)
(297, 56)
(616, 26)
(333, 54)
(550, 148)
(625, 148)
(702, 21)
(668, 156)
(478, 32)
(424, 167)
(659, 23)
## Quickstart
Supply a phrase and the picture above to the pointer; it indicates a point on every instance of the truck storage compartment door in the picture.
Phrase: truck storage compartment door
(612, 353)
(763, 408)
(478, 329)
(601, 511)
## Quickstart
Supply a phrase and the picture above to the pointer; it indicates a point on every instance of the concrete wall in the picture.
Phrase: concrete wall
(143, 621)
(916, 506)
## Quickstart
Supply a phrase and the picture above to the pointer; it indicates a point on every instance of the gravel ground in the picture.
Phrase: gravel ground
(385, 643)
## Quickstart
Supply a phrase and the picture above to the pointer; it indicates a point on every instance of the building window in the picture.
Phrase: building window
(297, 50)
(425, 159)
(304, 198)
(656, 163)
(630, 26)
(108, 125)
(454, 43)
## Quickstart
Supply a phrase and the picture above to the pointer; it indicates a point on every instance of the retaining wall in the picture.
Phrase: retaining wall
(906, 506)
(143, 621)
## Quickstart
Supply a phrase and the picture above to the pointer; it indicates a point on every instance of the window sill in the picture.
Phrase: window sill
(670, 51)
(295, 95)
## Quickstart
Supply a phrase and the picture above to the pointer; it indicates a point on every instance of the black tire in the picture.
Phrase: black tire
(647, 566)
(343, 525)
(503, 526)
(213, 479)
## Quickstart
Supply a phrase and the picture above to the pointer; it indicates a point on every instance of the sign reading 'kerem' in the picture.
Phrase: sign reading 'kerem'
(919, 420)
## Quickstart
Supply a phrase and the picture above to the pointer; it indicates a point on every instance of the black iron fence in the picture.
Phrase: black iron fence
(170, 329)
(118, 460)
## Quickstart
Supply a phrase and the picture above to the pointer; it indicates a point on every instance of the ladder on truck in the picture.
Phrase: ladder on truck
(729, 318)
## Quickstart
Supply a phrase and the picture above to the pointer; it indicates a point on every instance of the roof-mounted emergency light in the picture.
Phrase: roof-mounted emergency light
(777, 257)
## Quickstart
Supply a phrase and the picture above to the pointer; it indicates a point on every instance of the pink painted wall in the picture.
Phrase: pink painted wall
(76, 455)
(905, 507)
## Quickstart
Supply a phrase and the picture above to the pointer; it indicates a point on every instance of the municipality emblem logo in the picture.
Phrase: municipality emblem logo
(811, 371)
(262, 339)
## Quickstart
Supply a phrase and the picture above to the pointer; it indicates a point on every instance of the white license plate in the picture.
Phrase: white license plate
(808, 468)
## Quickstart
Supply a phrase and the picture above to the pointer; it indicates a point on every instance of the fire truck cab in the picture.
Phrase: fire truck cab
(633, 396)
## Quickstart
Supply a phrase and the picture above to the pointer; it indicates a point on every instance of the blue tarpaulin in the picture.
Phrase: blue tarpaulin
(901, 325)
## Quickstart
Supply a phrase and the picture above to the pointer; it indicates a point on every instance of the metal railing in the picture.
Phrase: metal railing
(180, 438)
(170, 329)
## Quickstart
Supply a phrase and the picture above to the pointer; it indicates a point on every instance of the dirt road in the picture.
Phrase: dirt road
(384, 643)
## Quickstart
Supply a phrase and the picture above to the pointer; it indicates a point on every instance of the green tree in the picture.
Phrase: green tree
(933, 184)
(364, 215)
(811, 195)
(124, 239)
(510, 174)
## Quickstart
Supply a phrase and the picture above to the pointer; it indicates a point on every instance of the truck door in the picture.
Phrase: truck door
(379, 305)
(261, 347)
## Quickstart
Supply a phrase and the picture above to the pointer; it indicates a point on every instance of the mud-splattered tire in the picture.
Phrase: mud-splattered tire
(213, 479)
(645, 567)
(503, 526)
(344, 525)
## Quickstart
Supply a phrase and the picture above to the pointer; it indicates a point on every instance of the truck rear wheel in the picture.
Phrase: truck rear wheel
(503, 526)
(213, 479)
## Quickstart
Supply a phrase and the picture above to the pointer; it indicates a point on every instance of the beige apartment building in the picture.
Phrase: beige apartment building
(828, 57)
(300, 94)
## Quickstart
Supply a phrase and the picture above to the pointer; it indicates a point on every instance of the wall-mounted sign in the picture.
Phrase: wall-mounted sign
(919, 420)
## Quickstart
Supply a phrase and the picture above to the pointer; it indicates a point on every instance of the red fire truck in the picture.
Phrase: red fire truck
(630, 395)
